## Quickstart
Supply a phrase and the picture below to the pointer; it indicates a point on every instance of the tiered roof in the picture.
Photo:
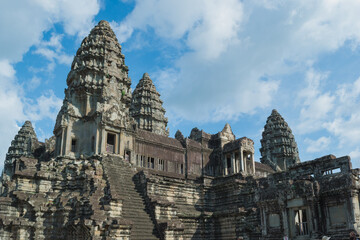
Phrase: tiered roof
(278, 145)
(98, 83)
(146, 107)
(24, 144)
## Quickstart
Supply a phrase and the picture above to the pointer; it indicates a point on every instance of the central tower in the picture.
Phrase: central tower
(95, 110)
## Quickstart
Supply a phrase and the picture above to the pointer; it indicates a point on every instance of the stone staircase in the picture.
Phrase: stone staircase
(121, 177)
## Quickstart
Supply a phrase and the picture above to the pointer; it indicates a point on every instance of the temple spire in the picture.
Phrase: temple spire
(24, 144)
(146, 107)
(98, 96)
(278, 145)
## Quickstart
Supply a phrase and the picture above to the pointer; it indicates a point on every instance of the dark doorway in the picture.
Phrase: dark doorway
(110, 143)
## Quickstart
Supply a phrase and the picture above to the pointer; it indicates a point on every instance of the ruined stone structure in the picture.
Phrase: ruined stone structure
(24, 144)
(278, 147)
(146, 107)
(111, 171)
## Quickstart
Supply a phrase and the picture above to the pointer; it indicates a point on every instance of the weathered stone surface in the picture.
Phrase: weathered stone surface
(101, 177)
(98, 95)
(24, 144)
(306, 198)
(146, 107)
(278, 146)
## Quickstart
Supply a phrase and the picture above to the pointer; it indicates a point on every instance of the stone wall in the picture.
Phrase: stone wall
(59, 199)
(311, 199)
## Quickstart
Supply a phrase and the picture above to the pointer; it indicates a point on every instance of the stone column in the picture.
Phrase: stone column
(285, 221)
(242, 161)
(246, 170)
(263, 221)
(224, 164)
(67, 140)
(87, 106)
(117, 144)
(97, 139)
(354, 213)
(233, 163)
(103, 141)
(253, 163)
(62, 141)
(238, 160)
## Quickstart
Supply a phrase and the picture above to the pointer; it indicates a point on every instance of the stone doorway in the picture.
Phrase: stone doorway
(110, 143)
(300, 223)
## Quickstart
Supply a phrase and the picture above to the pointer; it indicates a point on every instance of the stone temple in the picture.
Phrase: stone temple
(111, 172)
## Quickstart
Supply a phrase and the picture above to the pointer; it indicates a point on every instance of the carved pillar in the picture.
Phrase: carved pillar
(263, 221)
(62, 141)
(253, 163)
(241, 160)
(97, 141)
(285, 221)
(224, 164)
(292, 229)
(117, 146)
(355, 212)
(87, 106)
(103, 141)
(67, 140)
(232, 159)
(238, 164)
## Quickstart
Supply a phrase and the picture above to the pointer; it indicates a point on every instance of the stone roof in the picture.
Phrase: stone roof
(24, 144)
(153, 137)
(98, 82)
(278, 146)
(146, 107)
(263, 167)
(193, 143)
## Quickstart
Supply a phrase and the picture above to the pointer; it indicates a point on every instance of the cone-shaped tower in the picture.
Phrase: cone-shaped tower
(278, 146)
(24, 144)
(146, 107)
(97, 99)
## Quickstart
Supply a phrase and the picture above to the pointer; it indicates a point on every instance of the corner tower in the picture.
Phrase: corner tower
(146, 107)
(96, 106)
(24, 144)
(278, 146)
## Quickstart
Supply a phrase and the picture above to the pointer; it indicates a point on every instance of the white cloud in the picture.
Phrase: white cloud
(335, 111)
(316, 104)
(345, 121)
(22, 24)
(355, 156)
(240, 51)
(16, 108)
(33, 83)
(45, 106)
(11, 106)
(208, 26)
(53, 57)
(25, 21)
(318, 145)
(6, 70)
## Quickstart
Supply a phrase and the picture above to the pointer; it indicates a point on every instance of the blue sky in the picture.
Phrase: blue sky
(212, 61)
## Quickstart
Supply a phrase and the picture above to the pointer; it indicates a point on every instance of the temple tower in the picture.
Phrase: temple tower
(278, 146)
(95, 110)
(24, 144)
(146, 107)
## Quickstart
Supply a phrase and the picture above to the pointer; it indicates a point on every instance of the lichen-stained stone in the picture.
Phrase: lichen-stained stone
(100, 177)
(24, 144)
(278, 146)
(98, 95)
(146, 107)
(98, 81)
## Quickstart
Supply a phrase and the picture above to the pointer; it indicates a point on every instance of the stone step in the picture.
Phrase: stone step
(123, 183)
